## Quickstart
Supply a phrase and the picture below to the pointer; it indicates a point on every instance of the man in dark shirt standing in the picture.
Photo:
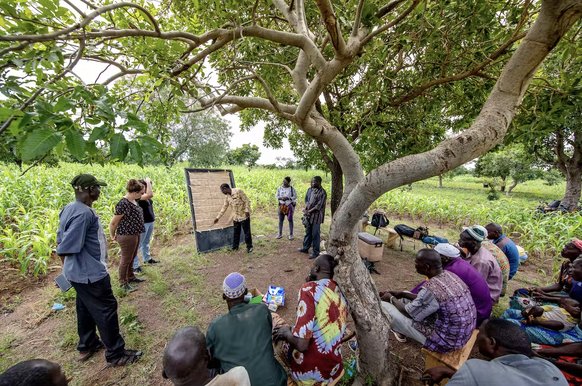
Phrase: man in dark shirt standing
(315, 210)
(82, 246)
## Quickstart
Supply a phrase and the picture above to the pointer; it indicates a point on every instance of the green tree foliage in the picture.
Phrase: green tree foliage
(200, 139)
(247, 155)
(509, 162)
(550, 125)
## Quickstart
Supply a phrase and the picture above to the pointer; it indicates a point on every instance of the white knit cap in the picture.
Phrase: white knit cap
(447, 250)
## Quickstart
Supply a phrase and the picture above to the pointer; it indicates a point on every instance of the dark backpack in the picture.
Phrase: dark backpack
(404, 230)
(379, 220)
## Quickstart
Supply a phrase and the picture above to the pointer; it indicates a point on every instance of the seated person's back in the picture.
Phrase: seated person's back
(509, 349)
(34, 372)
(185, 362)
(242, 337)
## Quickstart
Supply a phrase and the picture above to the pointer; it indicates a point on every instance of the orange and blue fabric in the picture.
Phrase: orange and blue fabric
(322, 314)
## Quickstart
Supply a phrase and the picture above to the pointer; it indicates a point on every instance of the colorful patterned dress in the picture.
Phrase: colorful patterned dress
(456, 318)
(501, 259)
(322, 314)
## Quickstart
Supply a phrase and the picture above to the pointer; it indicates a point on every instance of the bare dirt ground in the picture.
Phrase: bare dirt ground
(185, 289)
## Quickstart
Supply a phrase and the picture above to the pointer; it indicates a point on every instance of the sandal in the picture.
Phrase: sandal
(399, 337)
(129, 357)
(86, 355)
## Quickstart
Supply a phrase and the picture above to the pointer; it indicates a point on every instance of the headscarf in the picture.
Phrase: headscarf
(578, 244)
(234, 286)
(447, 250)
(475, 233)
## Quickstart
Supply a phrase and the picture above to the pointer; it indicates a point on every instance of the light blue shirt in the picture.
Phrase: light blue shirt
(81, 240)
(513, 370)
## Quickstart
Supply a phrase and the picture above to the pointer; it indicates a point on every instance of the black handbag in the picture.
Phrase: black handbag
(305, 221)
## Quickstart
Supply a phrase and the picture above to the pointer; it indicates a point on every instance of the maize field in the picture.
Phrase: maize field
(30, 205)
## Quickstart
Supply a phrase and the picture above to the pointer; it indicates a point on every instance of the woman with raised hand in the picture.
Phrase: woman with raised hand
(287, 197)
(126, 228)
(146, 204)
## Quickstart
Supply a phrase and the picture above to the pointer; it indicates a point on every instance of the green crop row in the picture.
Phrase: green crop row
(30, 205)
(537, 233)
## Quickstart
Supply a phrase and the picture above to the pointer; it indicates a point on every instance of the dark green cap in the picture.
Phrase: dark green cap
(86, 181)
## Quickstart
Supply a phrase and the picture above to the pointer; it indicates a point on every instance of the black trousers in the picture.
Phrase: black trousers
(97, 308)
(246, 227)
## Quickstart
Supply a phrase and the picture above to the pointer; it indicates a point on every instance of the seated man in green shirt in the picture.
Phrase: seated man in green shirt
(242, 337)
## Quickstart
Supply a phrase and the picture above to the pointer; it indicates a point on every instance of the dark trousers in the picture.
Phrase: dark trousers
(97, 308)
(245, 225)
(282, 220)
(312, 238)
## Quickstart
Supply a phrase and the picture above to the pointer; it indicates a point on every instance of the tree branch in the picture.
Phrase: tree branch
(14, 48)
(358, 18)
(120, 74)
(391, 24)
(386, 9)
(332, 26)
(324, 155)
(454, 78)
(489, 128)
(82, 24)
(75, 8)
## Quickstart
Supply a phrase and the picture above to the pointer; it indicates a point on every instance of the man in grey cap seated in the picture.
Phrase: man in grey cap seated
(82, 246)
(483, 261)
(242, 337)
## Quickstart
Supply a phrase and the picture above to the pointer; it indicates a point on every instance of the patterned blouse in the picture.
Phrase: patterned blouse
(132, 222)
(322, 313)
(501, 259)
(239, 202)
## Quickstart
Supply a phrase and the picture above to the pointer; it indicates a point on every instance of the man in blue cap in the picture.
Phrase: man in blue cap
(82, 246)
(242, 337)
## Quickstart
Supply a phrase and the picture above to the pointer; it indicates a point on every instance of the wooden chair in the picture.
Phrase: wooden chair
(392, 236)
(453, 360)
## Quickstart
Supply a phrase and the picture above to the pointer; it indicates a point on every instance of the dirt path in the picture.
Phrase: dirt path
(185, 289)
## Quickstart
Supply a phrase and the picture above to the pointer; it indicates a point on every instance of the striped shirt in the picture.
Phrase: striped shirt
(317, 201)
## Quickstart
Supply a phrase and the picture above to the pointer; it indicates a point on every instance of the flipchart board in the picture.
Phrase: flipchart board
(206, 201)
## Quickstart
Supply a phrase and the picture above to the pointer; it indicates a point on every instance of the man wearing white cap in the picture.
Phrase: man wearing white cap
(242, 337)
(450, 257)
(482, 260)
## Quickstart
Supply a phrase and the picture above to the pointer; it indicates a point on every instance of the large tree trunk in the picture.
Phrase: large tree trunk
(573, 187)
(488, 130)
(371, 321)
(511, 187)
(337, 185)
(571, 168)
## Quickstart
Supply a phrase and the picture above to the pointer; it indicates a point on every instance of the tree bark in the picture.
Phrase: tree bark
(371, 321)
(511, 187)
(337, 185)
(571, 168)
(440, 180)
(502, 187)
(573, 187)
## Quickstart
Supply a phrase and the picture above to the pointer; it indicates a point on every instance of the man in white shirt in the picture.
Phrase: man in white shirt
(186, 358)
